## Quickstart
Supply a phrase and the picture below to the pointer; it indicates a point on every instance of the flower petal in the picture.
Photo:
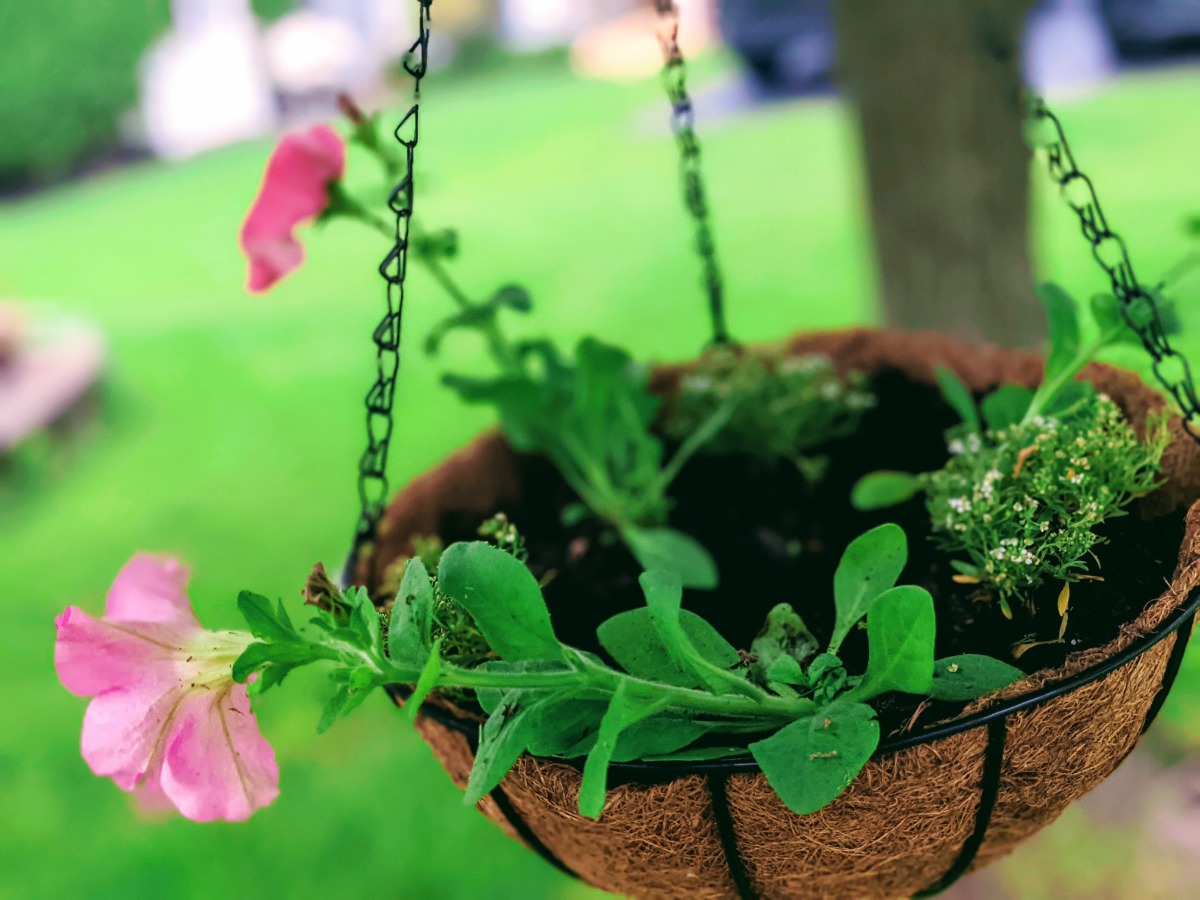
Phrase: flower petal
(295, 188)
(123, 729)
(93, 656)
(217, 764)
(151, 801)
(151, 589)
(273, 258)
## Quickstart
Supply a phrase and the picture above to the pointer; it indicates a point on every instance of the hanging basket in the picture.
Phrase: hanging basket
(931, 804)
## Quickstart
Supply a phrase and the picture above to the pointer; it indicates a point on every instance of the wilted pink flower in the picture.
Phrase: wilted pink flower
(295, 188)
(167, 717)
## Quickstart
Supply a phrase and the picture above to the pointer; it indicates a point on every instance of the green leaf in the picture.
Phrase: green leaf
(812, 760)
(441, 244)
(344, 701)
(1106, 310)
(959, 396)
(784, 636)
(268, 678)
(623, 711)
(266, 621)
(502, 597)
(1068, 397)
(286, 655)
(828, 678)
(525, 417)
(425, 683)
(785, 670)
(411, 625)
(970, 675)
(658, 735)
(871, 565)
(512, 296)
(631, 640)
(879, 490)
(673, 551)
(663, 597)
(566, 726)
(1006, 406)
(900, 633)
(364, 619)
(1062, 321)
(504, 737)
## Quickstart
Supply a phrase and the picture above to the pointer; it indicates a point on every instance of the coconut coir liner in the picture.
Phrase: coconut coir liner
(902, 823)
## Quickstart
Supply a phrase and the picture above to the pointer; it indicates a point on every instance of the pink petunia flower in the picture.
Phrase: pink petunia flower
(295, 188)
(167, 719)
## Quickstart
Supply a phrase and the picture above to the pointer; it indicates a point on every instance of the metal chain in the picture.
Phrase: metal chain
(372, 466)
(1139, 308)
(674, 75)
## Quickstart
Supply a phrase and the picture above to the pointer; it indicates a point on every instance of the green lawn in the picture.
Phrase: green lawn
(230, 425)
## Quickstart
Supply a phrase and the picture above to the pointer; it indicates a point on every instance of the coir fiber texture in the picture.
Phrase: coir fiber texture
(903, 822)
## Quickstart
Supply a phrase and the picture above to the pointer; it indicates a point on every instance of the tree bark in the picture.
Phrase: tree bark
(937, 89)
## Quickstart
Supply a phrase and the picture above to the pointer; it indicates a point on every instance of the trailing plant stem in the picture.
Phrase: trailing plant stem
(588, 674)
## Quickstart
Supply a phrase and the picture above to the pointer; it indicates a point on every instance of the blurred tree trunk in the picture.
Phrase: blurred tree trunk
(936, 85)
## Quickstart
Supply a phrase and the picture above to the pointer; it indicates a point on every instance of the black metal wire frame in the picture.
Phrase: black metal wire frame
(994, 719)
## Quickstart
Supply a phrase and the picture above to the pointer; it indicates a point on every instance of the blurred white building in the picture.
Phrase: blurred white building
(221, 76)
(205, 84)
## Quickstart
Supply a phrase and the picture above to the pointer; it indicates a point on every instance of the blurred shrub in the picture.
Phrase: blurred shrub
(68, 70)
(269, 10)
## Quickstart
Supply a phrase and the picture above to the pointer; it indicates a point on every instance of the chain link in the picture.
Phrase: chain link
(372, 466)
(1138, 305)
(674, 75)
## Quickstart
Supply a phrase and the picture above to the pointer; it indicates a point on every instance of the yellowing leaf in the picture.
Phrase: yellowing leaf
(964, 579)
(1064, 598)
(1025, 453)
(1019, 650)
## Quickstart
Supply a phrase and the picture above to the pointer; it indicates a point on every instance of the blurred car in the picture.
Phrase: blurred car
(791, 43)
(783, 42)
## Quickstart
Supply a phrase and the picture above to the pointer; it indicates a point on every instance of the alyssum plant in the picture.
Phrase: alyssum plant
(1031, 474)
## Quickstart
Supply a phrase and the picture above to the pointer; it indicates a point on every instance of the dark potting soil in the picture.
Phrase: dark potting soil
(775, 539)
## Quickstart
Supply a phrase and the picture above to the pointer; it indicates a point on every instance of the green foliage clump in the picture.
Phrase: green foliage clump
(590, 415)
(1031, 474)
(69, 71)
(1022, 501)
(677, 684)
(784, 407)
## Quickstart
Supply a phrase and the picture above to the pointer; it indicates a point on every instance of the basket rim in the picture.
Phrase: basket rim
(643, 771)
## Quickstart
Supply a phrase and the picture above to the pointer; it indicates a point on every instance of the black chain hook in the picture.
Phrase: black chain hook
(372, 466)
(674, 74)
(1138, 306)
